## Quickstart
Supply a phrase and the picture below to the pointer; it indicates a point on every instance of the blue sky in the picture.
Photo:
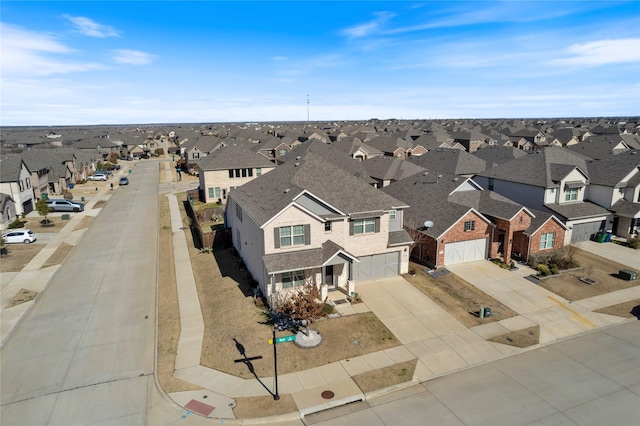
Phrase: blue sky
(122, 62)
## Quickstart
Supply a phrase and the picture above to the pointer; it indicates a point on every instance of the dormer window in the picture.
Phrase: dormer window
(571, 194)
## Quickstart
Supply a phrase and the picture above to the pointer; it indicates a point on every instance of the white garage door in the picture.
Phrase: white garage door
(465, 251)
(376, 266)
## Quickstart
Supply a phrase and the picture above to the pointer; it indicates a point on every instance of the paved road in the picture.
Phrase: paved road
(593, 379)
(85, 352)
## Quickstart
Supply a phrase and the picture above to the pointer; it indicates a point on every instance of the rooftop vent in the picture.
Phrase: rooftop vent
(286, 190)
(428, 224)
(296, 165)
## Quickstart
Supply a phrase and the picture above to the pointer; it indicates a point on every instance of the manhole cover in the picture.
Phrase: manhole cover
(327, 394)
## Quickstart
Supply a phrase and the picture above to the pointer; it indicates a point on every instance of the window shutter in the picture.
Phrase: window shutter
(377, 224)
(276, 237)
(350, 227)
(307, 234)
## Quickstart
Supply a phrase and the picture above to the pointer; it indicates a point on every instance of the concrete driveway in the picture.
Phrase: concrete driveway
(614, 252)
(557, 317)
(438, 340)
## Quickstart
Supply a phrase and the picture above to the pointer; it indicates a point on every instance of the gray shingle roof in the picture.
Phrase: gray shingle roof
(10, 166)
(453, 161)
(488, 203)
(536, 169)
(575, 211)
(626, 208)
(264, 197)
(303, 259)
(388, 168)
(232, 157)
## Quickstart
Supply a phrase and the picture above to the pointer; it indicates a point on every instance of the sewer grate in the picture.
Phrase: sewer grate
(341, 301)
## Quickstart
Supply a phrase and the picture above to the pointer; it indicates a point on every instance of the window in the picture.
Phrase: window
(230, 173)
(291, 235)
(293, 279)
(29, 183)
(327, 226)
(211, 193)
(546, 240)
(239, 212)
(258, 171)
(20, 185)
(392, 215)
(469, 225)
(571, 194)
(244, 172)
(491, 182)
(237, 172)
(364, 226)
(250, 172)
(282, 152)
(217, 190)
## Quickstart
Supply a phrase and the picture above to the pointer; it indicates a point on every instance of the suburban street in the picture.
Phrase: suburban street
(85, 352)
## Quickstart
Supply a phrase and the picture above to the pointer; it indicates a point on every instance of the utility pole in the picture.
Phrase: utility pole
(307, 108)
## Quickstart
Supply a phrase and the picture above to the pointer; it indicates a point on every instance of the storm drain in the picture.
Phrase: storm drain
(327, 394)
(341, 301)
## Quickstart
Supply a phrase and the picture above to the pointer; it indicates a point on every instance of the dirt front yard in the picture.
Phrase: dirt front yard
(459, 298)
(603, 273)
(233, 317)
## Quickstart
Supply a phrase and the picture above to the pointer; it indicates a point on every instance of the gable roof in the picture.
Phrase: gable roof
(428, 197)
(10, 166)
(233, 157)
(453, 161)
(538, 169)
(497, 155)
(264, 197)
(389, 168)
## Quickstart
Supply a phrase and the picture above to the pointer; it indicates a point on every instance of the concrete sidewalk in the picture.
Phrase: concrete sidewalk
(438, 341)
(557, 317)
(614, 252)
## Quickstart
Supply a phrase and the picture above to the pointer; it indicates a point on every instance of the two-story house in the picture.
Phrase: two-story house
(310, 221)
(554, 180)
(227, 168)
(615, 185)
(15, 182)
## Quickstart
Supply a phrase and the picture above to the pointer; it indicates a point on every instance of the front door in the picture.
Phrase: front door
(329, 275)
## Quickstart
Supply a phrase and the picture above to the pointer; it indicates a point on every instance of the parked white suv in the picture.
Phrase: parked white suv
(98, 176)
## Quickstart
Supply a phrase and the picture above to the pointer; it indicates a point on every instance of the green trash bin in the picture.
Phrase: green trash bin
(45, 196)
(601, 237)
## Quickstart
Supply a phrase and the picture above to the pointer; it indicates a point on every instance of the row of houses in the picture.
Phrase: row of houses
(324, 217)
(33, 174)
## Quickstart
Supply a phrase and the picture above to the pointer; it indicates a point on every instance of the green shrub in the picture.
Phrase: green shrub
(328, 309)
(634, 243)
(554, 269)
(544, 269)
(17, 223)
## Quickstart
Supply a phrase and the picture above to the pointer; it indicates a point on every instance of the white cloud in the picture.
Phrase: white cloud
(279, 58)
(27, 53)
(367, 28)
(132, 57)
(602, 52)
(91, 28)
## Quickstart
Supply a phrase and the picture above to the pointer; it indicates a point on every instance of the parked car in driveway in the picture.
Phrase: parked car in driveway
(19, 236)
(61, 205)
(98, 176)
(123, 181)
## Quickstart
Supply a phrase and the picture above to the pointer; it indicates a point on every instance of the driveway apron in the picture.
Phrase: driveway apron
(438, 340)
(557, 317)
